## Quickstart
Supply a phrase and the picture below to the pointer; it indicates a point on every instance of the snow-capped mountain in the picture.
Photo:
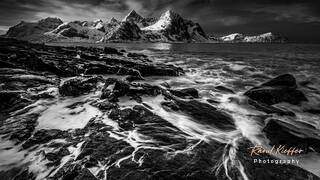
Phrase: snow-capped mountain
(33, 31)
(261, 38)
(172, 27)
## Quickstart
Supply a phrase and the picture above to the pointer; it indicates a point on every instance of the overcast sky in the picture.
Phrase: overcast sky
(297, 19)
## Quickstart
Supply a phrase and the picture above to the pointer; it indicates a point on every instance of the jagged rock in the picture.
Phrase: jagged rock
(136, 55)
(185, 93)
(100, 69)
(131, 78)
(302, 136)
(74, 171)
(43, 136)
(205, 114)
(19, 128)
(280, 89)
(12, 101)
(225, 89)
(269, 108)
(109, 50)
(77, 86)
(113, 89)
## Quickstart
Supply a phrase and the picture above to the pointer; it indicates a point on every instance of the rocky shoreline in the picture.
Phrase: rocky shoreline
(124, 140)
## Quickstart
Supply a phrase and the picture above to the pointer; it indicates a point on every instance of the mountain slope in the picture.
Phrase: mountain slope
(33, 31)
(172, 27)
(76, 30)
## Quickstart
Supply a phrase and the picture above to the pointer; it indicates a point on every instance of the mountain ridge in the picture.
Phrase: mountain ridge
(170, 27)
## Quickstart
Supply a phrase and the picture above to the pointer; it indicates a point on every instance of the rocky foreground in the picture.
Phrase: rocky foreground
(126, 140)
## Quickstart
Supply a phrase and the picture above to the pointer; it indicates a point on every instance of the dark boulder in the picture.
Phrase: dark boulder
(185, 93)
(269, 109)
(13, 100)
(113, 89)
(137, 55)
(285, 80)
(77, 86)
(280, 89)
(131, 78)
(109, 50)
(100, 69)
(205, 114)
(224, 89)
(299, 135)
(43, 136)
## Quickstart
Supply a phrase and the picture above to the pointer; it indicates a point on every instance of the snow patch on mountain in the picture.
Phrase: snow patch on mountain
(261, 38)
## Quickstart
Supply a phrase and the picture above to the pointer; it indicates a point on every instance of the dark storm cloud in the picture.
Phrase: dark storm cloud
(292, 17)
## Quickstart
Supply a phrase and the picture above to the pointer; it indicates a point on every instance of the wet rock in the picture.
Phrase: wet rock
(77, 86)
(43, 136)
(100, 69)
(206, 114)
(19, 128)
(313, 111)
(131, 78)
(55, 157)
(137, 55)
(113, 89)
(224, 89)
(25, 81)
(302, 136)
(186, 93)
(100, 146)
(269, 109)
(109, 50)
(285, 80)
(74, 171)
(280, 89)
(212, 101)
(160, 164)
(12, 101)
(105, 105)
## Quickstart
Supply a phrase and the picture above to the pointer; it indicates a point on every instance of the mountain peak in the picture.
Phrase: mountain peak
(50, 20)
(170, 14)
(133, 16)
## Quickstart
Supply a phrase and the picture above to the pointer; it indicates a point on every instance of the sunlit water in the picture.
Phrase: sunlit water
(235, 66)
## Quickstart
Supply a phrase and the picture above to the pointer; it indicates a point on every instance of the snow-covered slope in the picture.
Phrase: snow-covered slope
(266, 38)
(172, 27)
(261, 38)
(33, 31)
(122, 32)
(233, 37)
(76, 30)
(137, 19)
